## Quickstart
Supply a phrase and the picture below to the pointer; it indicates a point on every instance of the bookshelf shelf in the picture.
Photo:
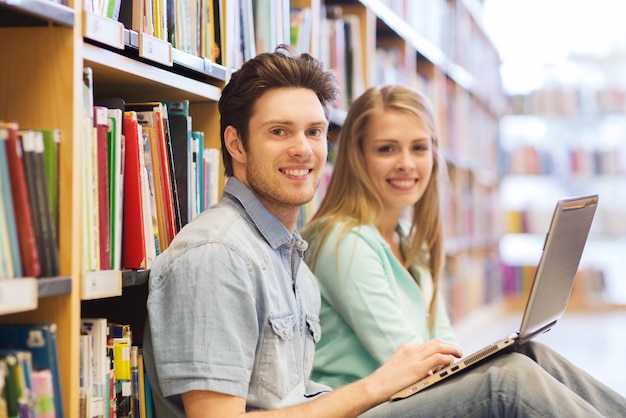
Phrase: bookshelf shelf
(54, 286)
(135, 277)
(18, 295)
(130, 78)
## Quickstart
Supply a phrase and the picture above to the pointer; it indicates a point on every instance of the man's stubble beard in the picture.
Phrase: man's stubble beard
(278, 196)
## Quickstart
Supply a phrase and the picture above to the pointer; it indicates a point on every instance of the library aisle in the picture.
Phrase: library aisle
(594, 340)
(565, 137)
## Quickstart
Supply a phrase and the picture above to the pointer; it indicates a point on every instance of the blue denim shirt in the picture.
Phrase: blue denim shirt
(233, 309)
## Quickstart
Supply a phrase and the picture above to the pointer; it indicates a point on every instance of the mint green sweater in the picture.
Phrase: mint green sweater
(370, 305)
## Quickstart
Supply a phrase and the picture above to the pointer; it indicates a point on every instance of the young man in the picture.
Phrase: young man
(233, 310)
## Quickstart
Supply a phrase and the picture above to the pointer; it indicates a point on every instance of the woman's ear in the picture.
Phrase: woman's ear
(233, 144)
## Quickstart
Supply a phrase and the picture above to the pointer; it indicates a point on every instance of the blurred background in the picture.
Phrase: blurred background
(563, 66)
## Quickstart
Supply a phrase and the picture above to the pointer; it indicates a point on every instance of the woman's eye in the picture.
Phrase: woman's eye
(385, 149)
(315, 132)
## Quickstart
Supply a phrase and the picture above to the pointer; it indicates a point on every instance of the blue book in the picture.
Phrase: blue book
(7, 203)
(41, 341)
(148, 394)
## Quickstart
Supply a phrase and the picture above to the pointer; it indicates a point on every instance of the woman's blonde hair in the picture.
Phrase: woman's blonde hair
(352, 198)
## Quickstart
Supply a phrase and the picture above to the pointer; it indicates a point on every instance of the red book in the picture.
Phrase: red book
(167, 182)
(154, 115)
(21, 203)
(102, 138)
(134, 243)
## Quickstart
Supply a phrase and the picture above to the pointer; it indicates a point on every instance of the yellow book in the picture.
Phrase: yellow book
(121, 358)
(142, 387)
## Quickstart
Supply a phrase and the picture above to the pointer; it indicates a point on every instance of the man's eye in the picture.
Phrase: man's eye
(315, 132)
(277, 131)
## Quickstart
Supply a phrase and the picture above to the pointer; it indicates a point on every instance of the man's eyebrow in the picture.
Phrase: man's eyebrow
(290, 122)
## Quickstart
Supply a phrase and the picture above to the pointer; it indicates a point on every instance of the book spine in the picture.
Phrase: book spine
(7, 206)
(101, 124)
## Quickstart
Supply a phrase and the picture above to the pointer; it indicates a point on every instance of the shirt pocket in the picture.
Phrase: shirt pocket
(278, 366)
(313, 337)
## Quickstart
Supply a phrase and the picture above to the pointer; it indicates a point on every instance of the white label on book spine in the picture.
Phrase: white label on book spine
(101, 284)
(104, 30)
(155, 49)
(18, 295)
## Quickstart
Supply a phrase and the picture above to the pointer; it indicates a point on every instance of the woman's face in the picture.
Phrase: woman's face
(398, 155)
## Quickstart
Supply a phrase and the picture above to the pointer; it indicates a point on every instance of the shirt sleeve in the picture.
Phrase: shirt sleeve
(357, 280)
(192, 316)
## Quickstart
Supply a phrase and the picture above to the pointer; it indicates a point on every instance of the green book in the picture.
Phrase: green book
(51, 140)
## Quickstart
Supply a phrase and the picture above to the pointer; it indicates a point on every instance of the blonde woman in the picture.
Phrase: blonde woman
(376, 248)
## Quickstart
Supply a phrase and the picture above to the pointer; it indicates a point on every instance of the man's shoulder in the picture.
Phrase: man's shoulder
(220, 224)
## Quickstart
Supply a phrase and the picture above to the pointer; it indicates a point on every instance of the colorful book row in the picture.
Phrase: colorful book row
(529, 160)
(113, 381)
(28, 201)
(147, 174)
(29, 371)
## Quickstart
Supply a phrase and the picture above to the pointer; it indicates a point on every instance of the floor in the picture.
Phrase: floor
(593, 340)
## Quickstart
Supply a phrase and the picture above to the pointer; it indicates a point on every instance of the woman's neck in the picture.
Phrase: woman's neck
(388, 230)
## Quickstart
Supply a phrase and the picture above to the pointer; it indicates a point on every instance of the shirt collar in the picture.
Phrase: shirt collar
(275, 233)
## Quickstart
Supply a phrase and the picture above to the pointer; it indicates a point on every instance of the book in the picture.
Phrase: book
(16, 392)
(219, 32)
(141, 378)
(51, 141)
(116, 183)
(197, 139)
(8, 235)
(89, 185)
(134, 371)
(180, 131)
(131, 14)
(41, 341)
(47, 245)
(101, 124)
(134, 247)
(85, 374)
(4, 376)
(155, 115)
(98, 329)
(157, 211)
(123, 376)
(148, 392)
(43, 392)
(24, 222)
(115, 130)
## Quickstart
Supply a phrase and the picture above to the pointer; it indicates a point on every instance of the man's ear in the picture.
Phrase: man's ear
(234, 145)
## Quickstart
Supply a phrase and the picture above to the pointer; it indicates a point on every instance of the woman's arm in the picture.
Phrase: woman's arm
(372, 292)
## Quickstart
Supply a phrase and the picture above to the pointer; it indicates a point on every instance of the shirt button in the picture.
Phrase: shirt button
(284, 332)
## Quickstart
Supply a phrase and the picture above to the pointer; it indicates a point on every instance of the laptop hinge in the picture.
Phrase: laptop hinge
(523, 338)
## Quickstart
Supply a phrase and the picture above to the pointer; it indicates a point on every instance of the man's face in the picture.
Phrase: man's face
(287, 148)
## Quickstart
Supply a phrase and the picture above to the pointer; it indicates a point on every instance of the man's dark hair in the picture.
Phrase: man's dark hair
(281, 68)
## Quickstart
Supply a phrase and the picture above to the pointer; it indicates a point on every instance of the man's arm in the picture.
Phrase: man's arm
(408, 364)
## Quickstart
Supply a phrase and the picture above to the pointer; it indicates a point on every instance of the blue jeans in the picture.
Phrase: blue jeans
(532, 381)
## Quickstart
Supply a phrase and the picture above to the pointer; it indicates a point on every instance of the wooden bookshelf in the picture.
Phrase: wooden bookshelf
(45, 46)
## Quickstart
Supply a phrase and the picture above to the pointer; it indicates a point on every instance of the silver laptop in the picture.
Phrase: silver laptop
(550, 291)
